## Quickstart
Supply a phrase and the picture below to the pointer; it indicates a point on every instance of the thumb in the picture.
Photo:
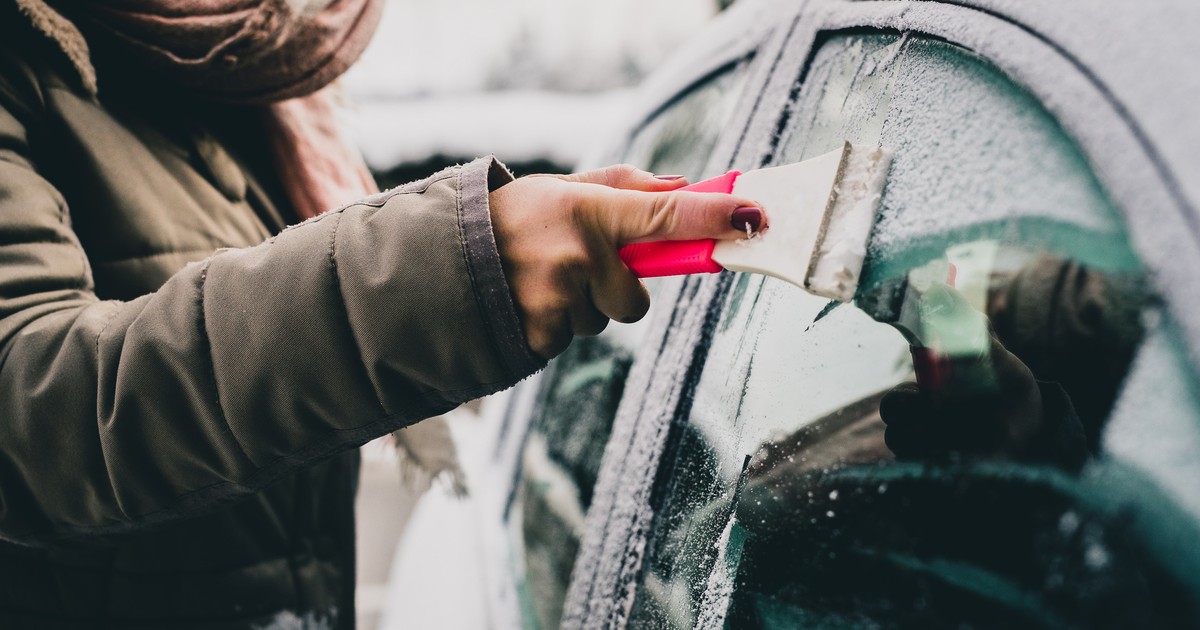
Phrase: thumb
(636, 217)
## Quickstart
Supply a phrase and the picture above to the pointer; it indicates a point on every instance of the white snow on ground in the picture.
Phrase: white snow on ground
(516, 126)
(438, 567)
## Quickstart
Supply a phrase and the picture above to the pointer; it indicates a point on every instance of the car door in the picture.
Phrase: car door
(777, 469)
(555, 431)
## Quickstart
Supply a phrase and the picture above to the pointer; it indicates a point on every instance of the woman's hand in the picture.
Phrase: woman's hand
(558, 238)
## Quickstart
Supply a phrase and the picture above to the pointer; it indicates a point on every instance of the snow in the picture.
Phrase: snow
(468, 46)
(519, 126)
(439, 562)
(719, 590)
(945, 177)
(456, 566)
(844, 243)
(526, 80)
(1144, 53)
(1155, 425)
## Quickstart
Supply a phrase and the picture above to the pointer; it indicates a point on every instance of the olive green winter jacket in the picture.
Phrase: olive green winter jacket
(182, 379)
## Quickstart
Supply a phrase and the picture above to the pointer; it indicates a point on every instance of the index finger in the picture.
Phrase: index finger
(636, 217)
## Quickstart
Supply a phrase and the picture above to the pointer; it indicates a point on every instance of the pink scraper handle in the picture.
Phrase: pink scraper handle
(676, 258)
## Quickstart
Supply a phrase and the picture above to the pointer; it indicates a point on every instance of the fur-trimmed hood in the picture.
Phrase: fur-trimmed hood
(66, 35)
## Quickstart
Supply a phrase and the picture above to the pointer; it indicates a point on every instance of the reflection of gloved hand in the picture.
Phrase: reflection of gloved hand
(1017, 419)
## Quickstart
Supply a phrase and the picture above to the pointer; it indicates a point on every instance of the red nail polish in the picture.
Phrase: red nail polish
(746, 217)
(668, 178)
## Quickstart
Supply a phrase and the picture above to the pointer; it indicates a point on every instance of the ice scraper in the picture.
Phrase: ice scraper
(820, 212)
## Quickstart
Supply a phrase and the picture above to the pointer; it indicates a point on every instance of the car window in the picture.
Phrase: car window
(680, 140)
(582, 388)
(1042, 473)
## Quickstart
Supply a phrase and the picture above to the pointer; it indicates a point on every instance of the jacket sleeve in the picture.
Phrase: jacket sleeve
(243, 367)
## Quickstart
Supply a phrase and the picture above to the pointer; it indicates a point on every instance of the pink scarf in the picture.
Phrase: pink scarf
(319, 168)
(281, 54)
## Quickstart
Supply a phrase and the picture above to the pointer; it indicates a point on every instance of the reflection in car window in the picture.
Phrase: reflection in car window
(583, 386)
(960, 446)
(680, 140)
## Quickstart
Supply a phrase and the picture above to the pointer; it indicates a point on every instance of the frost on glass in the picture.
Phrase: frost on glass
(964, 444)
(582, 388)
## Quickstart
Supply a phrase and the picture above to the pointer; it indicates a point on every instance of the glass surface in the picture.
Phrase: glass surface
(680, 140)
(817, 484)
(582, 387)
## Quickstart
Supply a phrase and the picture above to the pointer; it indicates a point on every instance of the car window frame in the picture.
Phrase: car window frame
(631, 483)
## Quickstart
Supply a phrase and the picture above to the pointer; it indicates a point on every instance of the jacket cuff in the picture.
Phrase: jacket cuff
(492, 293)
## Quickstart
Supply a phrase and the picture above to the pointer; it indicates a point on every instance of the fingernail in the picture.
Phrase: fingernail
(668, 178)
(746, 218)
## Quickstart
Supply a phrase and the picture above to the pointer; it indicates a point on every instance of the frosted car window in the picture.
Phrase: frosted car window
(813, 484)
(574, 415)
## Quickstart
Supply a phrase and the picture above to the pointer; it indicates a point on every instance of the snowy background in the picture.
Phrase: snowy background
(540, 83)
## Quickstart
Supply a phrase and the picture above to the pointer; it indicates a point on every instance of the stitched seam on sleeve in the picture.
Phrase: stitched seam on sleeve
(85, 268)
(462, 244)
(337, 291)
(378, 200)
(112, 487)
(108, 320)
(212, 365)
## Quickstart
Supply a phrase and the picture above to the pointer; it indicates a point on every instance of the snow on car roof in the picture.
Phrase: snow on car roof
(1143, 53)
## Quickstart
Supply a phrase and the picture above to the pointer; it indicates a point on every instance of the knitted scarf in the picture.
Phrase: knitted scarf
(281, 54)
